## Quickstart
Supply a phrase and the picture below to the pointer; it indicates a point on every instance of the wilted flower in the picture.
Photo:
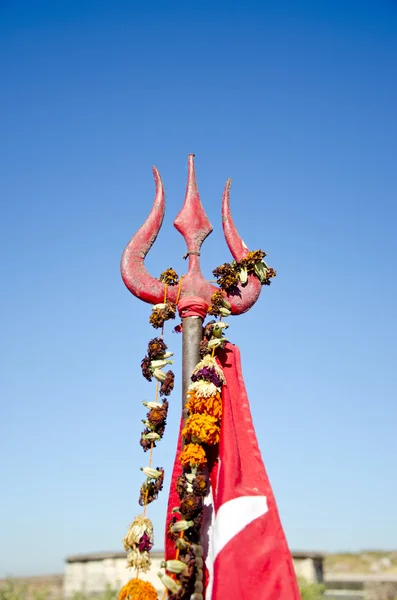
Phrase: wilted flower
(190, 506)
(168, 384)
(144, 442)
(204, 350)
(140, 526)
(138, 560)
(208, 329)
(157, 319)
(170, 277)
(156, 348)
(181, 485)
(203, 388)
(216, 303)
(146, 370)
(152, 486)
(200, 485)
(208, 374)
(252, 258)
(227, 275)
(145, 543)
(156, 416)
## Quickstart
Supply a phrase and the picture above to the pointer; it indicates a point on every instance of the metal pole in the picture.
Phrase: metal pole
(192, 334)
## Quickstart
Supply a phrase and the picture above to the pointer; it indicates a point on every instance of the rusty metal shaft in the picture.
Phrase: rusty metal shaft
(192, 333)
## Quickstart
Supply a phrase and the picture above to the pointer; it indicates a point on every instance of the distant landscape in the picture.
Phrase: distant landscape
(370, 562)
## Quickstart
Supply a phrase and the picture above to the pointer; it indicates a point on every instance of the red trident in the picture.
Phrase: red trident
(194, 225)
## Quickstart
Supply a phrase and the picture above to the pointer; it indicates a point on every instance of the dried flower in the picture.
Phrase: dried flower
(170, 311)
(211, 406)
(181, 485)
(136, 589)
(200, 485)
(146, 370)
(252, 259)
(140, 526)
(168, 384)
(170, 277)
(170, 532)
(145, 544)
(203, 428)
(138, 560)
(227, 275)
(156, 319)
(149, 491)
(190, 506)
(161, 313)
(156, 348)
(208, 374)
(216, 303)
(204, 350)
(193, 455)
(157, 416)
(203, 389)
(208, 329)
(144, 442)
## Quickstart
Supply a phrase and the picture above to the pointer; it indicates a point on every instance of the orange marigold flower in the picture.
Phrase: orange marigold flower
(210, 406)
(136, 589)
(203, 428)
(193, 455)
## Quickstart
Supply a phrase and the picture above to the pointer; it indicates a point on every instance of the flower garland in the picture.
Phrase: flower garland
(139, 538)
(201, 437)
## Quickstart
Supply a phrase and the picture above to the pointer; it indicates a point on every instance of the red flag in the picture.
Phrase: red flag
(246, 552)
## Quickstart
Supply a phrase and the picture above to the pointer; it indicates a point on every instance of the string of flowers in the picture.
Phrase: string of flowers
(200, 438)
(139, 538)
(229, 275)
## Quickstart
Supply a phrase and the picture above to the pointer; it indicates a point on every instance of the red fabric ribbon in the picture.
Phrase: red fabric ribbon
(192, 306)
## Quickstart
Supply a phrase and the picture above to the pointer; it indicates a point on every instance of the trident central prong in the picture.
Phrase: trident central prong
(195, 226)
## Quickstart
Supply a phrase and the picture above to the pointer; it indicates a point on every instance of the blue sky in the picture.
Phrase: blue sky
(296, 101)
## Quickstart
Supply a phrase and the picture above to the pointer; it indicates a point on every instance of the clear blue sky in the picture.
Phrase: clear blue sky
(296, 101)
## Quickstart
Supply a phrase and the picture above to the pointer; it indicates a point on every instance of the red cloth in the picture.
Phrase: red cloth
(192, 306)
(248, 555)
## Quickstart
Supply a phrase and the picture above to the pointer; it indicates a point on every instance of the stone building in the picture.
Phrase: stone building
(91, 574)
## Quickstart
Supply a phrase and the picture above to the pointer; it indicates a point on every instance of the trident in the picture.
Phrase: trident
(194, 225)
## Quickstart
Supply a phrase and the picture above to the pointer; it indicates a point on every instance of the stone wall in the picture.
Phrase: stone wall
(91, 573)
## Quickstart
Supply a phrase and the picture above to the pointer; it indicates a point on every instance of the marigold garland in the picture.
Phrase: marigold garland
(136, 589)
(193, 455)
(212, 405)
(202, 428)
